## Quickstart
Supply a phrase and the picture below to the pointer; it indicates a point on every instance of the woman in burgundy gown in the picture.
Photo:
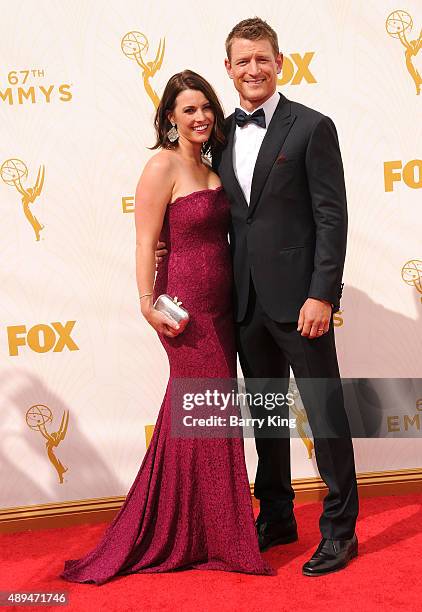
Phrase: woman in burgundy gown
(190, 504)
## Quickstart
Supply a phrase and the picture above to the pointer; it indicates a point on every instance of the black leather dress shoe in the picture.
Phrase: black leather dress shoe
(331, 556)
(274, 533)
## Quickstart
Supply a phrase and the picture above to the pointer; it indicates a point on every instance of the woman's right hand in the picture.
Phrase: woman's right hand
(162, 323)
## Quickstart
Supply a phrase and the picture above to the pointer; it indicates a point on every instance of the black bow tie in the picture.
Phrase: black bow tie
(243, 118)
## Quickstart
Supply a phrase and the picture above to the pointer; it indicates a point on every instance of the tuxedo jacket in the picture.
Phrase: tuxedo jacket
(291, 238)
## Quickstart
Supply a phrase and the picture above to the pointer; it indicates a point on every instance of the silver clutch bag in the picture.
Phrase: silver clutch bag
(173, 309)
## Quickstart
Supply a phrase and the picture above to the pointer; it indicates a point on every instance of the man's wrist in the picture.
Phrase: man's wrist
(321, 300)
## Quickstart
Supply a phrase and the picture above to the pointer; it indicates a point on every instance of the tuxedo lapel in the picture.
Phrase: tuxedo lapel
(277, 131)
(226, 170)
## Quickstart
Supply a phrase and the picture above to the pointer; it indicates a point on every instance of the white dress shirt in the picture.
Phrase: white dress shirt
(247, 142)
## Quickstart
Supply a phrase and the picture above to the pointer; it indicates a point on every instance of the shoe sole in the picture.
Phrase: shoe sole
(338, 569)
(279, 541)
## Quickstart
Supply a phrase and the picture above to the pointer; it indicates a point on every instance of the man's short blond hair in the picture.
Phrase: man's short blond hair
(252, 29)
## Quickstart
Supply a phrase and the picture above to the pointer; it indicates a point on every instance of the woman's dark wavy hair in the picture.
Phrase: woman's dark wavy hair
(177, 83)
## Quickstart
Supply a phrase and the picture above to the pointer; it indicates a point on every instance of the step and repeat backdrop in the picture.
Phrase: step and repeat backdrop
(82, 374)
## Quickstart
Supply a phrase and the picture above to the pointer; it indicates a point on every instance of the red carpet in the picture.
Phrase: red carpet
(387, 575)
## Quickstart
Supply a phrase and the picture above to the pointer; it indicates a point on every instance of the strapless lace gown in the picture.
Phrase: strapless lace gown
(190, 505)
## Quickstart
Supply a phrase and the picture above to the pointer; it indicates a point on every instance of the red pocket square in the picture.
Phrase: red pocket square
(281, 158)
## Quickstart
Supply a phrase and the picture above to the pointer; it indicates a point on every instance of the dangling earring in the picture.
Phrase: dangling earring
(173, 134)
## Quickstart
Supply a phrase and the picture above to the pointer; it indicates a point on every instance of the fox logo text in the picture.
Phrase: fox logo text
(42, 338)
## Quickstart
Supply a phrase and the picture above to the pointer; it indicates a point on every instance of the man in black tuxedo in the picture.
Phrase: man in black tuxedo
(283, 174)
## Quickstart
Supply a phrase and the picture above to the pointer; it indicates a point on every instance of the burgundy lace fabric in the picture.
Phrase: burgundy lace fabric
(190, 505)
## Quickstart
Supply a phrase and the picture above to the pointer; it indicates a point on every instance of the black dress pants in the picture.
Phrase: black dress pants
(267, 349)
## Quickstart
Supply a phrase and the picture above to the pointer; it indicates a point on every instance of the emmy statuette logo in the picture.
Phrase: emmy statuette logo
(37, 417)
(135, 46)
(301, 419)
(13, 172)
(397, 24)
(149, 430)
(411, 273)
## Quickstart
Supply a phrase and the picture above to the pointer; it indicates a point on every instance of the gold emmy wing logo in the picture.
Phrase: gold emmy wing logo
(13, 172)
(397, 24)
(149, 430)
(301, 420)
(37, 417)
(135, 45)
(412, 274)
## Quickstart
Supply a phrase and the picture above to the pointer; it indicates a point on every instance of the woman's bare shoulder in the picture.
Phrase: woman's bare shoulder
(157, 180)
(159, 171)
(163, 161)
